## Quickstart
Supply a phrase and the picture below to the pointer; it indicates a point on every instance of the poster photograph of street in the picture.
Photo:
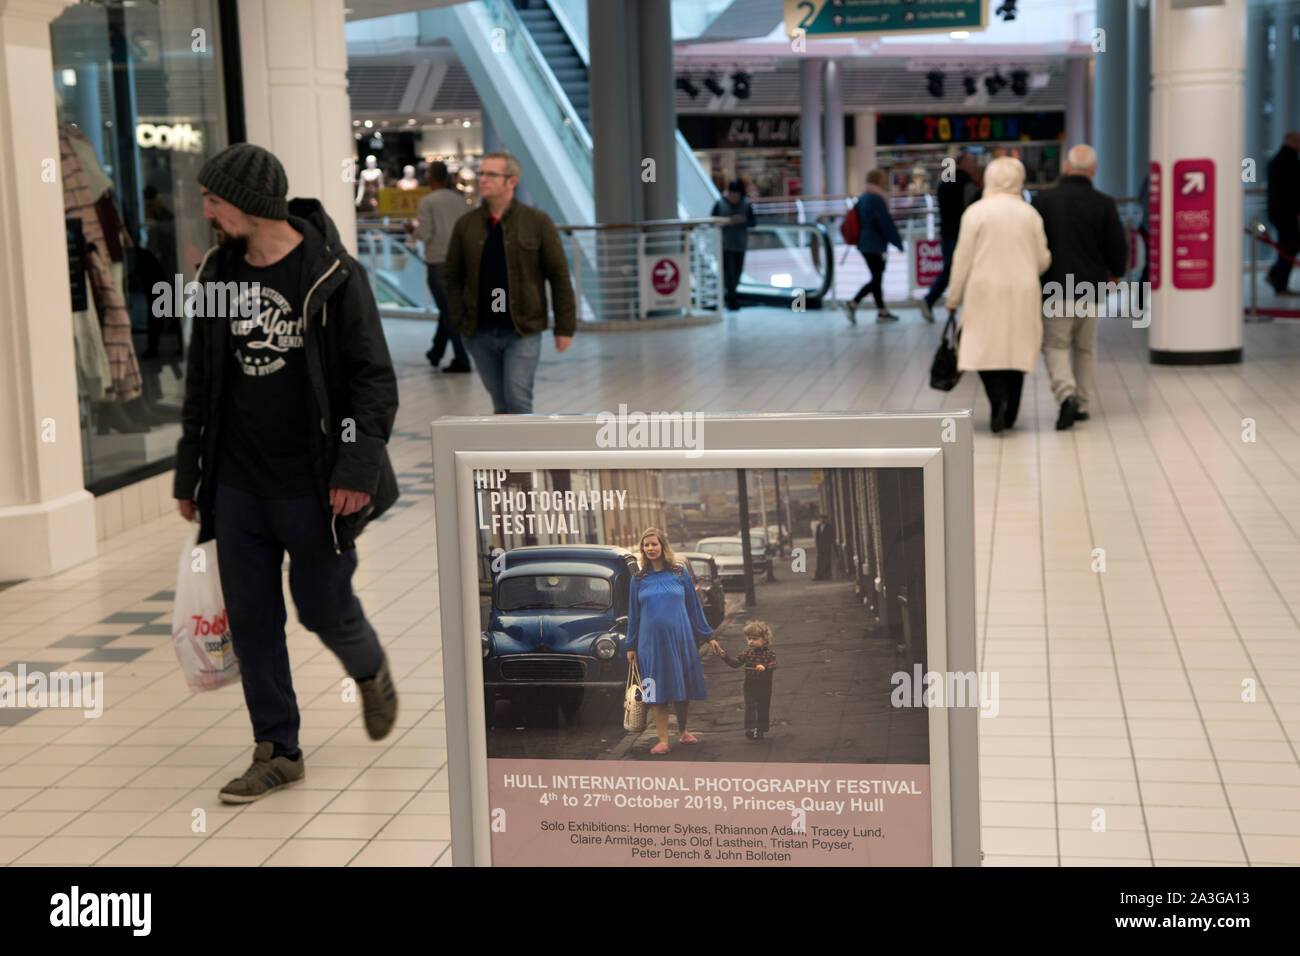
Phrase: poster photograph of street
(765, 612)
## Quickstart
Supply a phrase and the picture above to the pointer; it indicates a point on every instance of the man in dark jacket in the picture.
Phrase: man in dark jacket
(501, 257)
(1086, 240)
(1284, 208)
(289, 404)
(739, 213)
(953, 197)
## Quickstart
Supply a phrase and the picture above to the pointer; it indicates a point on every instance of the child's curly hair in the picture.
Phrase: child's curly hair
(761, 631)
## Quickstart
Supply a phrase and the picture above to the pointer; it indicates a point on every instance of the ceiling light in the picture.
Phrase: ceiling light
(934, 83)
(968, 84)
(740, 85)
(69, 77)
(1007, 11)
(466, 124)
(369, 124)
(686, 86)
(1020, 82)
(714, 87)
(960, 34)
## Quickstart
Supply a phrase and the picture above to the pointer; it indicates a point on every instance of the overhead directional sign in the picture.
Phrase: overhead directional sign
(842, 18)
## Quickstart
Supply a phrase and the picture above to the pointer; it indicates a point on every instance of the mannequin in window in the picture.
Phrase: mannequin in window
(368, 186)
(408, 180)
(88, 196)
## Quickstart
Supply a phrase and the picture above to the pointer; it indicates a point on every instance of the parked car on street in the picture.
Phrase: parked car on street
(558, 626)
(708, 585)
(730, 560)
(761, 550)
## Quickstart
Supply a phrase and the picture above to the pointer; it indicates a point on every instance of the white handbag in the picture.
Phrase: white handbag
(634, 720)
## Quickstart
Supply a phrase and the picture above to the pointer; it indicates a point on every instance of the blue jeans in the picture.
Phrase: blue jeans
(941, 283)
(252, 536)
(507, 364)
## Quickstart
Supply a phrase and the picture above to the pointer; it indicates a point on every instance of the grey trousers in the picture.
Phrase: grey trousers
(1070, 351)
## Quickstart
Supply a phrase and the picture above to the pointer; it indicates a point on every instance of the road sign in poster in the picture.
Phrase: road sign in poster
(839, 18)
(1193, 224)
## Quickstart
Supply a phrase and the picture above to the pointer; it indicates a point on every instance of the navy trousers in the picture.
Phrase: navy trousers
(253, 535)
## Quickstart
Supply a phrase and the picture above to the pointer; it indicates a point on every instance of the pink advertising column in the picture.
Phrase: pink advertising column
(1198, 50)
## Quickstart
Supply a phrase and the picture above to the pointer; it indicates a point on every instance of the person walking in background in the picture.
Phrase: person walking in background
(265, 463)
(953, 196)
(1284, 209)
(824, 542)
(500, 259)
(999, 256)
(435, 218)
(876, 233)
(739, 213)
(1088, 247)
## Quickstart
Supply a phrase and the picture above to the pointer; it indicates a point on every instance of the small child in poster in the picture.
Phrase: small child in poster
(759, 662)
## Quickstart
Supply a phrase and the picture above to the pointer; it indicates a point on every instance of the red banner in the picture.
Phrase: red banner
(1193, 215)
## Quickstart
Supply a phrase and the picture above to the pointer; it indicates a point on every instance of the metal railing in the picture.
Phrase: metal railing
(629, 272)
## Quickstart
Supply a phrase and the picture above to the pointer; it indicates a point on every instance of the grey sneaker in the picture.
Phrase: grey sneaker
(926, 312)
(266, 775)
(379, 702)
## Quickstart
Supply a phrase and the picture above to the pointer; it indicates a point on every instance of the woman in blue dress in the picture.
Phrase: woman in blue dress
(664, 617)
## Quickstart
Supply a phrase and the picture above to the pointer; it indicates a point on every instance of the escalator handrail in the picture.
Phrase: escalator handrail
(820, 235)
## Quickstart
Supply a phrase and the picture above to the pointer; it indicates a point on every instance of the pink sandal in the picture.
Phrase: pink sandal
(659, 748)
(688, 738)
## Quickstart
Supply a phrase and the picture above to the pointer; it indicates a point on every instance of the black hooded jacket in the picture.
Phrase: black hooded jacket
(351, 377)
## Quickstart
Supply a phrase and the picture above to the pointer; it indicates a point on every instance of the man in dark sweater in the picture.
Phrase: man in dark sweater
(289, 404)
(501, 257)
(953, 197)
(739, 213)
(1086, 240)
(1284, 209)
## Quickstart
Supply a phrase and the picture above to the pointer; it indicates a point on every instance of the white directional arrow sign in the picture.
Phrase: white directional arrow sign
(1193, 182)
(666, 273)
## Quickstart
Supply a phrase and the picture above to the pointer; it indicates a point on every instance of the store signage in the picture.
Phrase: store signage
(747, 132)
(927, 261)
(665, 282)
(182, 138)
(1153, 216)
(401, 203)
(543, 602)
(839, 18)
(969, 128)
(1193, 223)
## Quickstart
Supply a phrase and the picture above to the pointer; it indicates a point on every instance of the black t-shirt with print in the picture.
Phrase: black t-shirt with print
(266, 411)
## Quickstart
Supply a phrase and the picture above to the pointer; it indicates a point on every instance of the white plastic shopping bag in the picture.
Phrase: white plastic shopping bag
(199, 631)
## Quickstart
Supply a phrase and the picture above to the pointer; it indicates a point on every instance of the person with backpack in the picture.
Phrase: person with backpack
(875, 233)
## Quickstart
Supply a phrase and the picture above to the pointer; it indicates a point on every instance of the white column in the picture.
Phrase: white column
(1198, 69)
(1076, 101)
(295, 65)
(862, 156)
(47, 518)
(833, 126)
(810, 126)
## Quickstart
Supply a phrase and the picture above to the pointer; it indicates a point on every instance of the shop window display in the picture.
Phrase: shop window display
(139, 95)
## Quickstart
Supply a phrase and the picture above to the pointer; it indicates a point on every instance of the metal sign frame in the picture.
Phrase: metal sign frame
(940, 443)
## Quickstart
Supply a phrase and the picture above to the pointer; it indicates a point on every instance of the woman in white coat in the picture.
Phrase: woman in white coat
(1001, 251)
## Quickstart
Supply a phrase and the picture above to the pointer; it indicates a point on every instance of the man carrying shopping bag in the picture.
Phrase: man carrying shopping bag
(289, 404)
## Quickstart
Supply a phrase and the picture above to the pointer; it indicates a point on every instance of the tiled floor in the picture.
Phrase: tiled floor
(1123, 735)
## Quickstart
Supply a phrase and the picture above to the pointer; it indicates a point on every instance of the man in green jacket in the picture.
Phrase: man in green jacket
(502, 255)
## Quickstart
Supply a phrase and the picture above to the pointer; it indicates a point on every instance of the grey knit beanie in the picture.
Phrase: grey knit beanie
(250, 178)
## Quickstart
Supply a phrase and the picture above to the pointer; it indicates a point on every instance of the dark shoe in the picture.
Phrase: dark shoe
(850, 310)
(265, 775)
(1069, 413)
(927, 312)
(433, 360)
(999, 420)
(1081, 416)
(886, 316)
(457, 367)
(379, 702)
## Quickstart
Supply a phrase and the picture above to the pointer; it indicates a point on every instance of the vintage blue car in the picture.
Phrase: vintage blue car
(557, 627)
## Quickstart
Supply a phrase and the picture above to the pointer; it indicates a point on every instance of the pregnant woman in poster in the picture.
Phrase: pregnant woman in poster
(664, 617)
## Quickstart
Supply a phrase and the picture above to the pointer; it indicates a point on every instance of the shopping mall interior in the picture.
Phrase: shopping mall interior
(1136, 575)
